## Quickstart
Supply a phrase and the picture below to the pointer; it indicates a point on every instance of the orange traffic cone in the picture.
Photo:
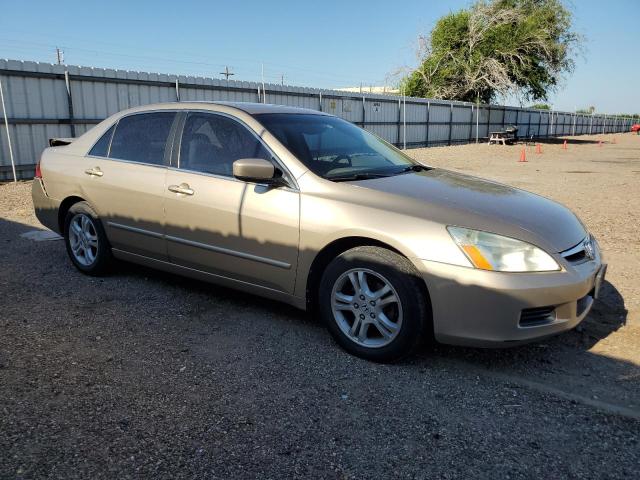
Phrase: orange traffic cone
(538, 148)
(523, 156)
(564, 145)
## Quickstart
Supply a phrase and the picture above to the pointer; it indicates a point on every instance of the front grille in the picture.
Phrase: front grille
(534, 317)
(576, 257)
(582, 252)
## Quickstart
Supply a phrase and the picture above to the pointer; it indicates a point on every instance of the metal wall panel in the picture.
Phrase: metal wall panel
(38, 108)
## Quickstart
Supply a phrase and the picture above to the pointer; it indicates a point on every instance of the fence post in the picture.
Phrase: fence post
(6, 125)
(450, 123)
(477, 119)
(575, 119)
(67, 84)
(399, 120)
(364, 113)
(428, 120)
(471, 125)
(488, 120)
(320, 96)
(178, 91)
(539, 122)
(404, 122)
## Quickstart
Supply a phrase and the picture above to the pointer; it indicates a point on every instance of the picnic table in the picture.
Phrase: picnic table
(501, 136)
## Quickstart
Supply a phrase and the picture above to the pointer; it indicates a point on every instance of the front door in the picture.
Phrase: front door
(224, 226)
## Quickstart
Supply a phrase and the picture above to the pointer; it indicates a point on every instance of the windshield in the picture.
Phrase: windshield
(334, 148)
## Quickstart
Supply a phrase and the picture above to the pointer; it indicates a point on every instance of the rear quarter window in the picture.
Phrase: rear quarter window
(101, 148)
(142, 137)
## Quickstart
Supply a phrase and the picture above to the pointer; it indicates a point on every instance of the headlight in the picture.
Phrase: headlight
(503, 254)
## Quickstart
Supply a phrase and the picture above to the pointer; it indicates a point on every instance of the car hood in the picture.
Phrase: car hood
(455, 199)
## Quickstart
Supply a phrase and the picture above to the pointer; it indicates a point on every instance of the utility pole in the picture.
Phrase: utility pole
(264, 91)
(227, 73)
(59, 56)
(6, 126)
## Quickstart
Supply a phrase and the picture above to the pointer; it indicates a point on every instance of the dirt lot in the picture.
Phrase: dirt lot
(145, 374)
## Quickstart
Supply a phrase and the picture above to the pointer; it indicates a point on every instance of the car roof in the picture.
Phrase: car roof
(252, 108)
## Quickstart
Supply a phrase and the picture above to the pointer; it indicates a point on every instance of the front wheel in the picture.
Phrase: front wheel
(372, 301)
(86, 242)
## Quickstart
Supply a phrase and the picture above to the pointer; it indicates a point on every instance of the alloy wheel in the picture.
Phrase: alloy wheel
(83, 239)
(366, 308)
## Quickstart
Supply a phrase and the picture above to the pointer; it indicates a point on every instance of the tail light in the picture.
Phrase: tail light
(38, 171)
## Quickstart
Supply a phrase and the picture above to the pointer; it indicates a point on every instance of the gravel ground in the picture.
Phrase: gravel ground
(142, 374)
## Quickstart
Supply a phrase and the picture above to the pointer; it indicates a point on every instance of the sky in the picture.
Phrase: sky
(325, 44)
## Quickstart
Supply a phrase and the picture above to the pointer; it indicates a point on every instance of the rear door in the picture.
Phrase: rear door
(125, 181)
(222, 225)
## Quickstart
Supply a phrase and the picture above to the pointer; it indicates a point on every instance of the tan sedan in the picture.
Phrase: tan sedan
(306, 208)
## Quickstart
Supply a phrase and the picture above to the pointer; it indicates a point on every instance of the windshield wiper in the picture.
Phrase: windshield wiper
(413, 168)
(370, 175)
(359, 176)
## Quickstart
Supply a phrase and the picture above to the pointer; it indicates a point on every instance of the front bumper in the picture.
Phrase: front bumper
(482, 308)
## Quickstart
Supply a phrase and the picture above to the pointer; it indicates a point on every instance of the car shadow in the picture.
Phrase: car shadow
(570, 140)
(213, 292)
(583, 362)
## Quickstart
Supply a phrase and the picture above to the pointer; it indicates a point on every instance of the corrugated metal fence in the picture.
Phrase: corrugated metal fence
(44, 101)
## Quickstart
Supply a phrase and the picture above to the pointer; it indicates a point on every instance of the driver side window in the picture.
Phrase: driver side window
(211, 143)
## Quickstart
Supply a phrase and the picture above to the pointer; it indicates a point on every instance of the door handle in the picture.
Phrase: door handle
(183, 188)
(94, 172)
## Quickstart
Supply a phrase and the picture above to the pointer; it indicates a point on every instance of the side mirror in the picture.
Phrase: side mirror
(256, 170)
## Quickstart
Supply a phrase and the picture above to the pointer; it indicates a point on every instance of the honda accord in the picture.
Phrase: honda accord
(304, 207)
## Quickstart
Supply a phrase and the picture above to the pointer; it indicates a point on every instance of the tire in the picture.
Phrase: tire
(91, 254)
(393, 328)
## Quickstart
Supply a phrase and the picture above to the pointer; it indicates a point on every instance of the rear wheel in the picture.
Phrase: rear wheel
(372, 301)
(86, 242)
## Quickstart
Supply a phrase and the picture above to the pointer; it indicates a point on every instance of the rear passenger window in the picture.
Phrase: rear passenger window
(101, 148)
(211, 143)
(142, 137)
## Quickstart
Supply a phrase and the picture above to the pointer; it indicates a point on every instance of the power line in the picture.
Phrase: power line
(309, 72)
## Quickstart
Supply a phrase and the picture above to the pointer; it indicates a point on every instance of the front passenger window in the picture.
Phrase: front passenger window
(211, 143)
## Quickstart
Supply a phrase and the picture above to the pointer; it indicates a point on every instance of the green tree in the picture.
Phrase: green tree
(541, 106)
(496, 48)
